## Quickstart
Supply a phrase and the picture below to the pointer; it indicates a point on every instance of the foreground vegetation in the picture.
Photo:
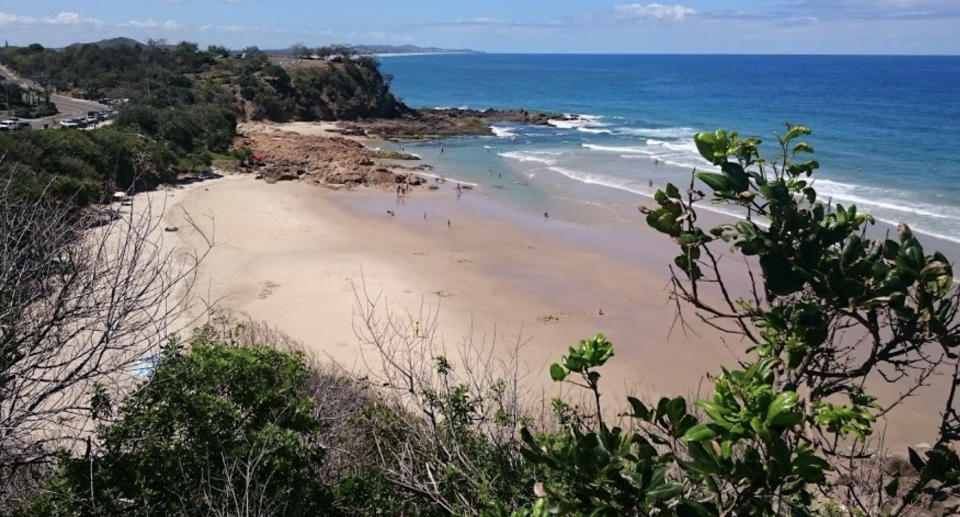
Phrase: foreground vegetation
(237, 421)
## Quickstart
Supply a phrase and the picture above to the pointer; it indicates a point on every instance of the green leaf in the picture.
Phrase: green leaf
(780, 277)
(783, 402)
(852, 248)
(892, 487)
(786, 419)
(557, 373)
(717, 182)
(672, 191)
(796, 131)
(802, 147)
(915, 460)
(706, 145)
(668, 491)
(640, 410)
(699, 433)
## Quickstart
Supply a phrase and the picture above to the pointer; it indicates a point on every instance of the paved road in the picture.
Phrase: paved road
(67, 106)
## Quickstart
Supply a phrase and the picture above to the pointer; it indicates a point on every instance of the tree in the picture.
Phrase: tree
(218, 430)
(219, 50)
(300, 51)
(85, 297)
(829, 307)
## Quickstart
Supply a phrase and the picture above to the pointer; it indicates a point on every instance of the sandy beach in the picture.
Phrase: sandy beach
(294, 255)
(291, 254)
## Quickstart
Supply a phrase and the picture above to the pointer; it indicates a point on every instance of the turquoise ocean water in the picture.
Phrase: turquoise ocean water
(886, 129)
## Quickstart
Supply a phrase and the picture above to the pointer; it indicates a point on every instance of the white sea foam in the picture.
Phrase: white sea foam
(447, 178)
(503, 132)
(596, 179)
(544, 157)
(658, 132)
(595, 131)
(567, 124)
(617, 149)
(881, 198)
(577, 121)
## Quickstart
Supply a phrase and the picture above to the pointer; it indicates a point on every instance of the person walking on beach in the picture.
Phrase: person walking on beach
(416, 328)
(459, 191)
(449, 224)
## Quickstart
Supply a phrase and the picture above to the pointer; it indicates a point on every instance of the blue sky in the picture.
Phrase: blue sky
(699, 26)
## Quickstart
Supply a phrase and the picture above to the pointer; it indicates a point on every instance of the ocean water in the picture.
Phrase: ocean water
(886, 129)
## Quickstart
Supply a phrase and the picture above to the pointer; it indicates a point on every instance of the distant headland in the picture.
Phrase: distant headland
(378, 50)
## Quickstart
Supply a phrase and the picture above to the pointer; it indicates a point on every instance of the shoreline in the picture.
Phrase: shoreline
(291, 254)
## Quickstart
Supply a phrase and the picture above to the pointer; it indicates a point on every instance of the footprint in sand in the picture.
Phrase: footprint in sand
(550, 318)
(420, 253)
(267, 290)
(443, 294)
(464, 261)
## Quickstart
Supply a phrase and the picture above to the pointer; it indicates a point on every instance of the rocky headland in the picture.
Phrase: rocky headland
(425, 124)
(335, 155)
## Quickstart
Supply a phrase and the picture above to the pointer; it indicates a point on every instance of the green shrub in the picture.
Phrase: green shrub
(215, 428)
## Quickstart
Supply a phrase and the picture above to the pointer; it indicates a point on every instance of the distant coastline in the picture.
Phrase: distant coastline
(436, 53)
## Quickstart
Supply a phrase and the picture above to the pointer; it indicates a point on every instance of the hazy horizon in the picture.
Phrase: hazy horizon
(815, 27)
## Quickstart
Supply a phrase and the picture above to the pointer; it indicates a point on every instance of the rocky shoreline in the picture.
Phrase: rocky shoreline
(428, 124)
(336, 158)
(330, 161)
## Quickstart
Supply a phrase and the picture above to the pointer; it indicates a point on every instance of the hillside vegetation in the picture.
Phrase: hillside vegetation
(178, 107)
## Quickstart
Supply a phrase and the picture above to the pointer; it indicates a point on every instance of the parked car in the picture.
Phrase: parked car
(99, 116)
(13, 124)
(73, 123)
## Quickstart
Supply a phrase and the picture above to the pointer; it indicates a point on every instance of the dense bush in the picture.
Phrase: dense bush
(132, 71)
(217, 429)
(15, 99)
(83, 166)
